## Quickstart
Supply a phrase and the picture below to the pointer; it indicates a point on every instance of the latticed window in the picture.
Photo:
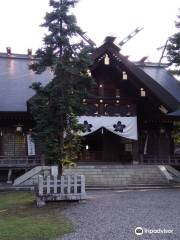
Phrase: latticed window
(13, 144)
(128, 147)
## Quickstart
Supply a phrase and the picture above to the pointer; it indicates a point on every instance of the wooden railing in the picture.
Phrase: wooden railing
(98, 156)
(93, 156)
(22, 161)
(160, 159)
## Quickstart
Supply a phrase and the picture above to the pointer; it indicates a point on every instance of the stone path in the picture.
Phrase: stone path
(114, 215)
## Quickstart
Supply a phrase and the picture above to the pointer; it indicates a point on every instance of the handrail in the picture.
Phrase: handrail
(19, 160)
(161, 159)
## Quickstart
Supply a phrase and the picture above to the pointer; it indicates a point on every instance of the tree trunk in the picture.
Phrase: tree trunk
(61, 144)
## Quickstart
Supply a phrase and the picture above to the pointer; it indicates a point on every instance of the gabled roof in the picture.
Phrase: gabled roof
(16, 78)
(154, 77)
(15, 82)
(163, 78)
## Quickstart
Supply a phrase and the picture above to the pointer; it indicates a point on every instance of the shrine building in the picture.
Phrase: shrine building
(129, 117)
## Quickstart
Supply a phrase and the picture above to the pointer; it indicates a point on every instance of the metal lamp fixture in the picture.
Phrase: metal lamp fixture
(162, 130)
(19, 127)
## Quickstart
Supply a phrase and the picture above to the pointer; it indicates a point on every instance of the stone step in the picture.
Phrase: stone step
(115, 170)
(114, 174)
(117, 175)
(115, 167)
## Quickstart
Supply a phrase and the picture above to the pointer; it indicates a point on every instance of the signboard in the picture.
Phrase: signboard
(30, 145)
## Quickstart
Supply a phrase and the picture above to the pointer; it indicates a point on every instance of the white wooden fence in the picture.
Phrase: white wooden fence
(66, 187)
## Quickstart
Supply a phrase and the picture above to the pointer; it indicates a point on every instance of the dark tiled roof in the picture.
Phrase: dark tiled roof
(15, 79)
(175, 113)
(164, 78)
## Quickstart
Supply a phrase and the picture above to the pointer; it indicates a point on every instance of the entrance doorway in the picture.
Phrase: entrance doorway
(104, 146)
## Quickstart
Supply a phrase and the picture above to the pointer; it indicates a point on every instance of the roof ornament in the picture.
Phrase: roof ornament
(106, 59)
(143, 59)
(131, 35)
(109, 39)
(163, 109)
(87, 39)
(124, 75)
(8, 50)
(163, 51)
(29, 51)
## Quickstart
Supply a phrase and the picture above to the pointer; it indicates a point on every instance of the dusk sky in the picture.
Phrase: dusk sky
(20, 20)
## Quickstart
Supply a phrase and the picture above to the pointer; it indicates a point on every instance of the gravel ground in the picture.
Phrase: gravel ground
(114, 215)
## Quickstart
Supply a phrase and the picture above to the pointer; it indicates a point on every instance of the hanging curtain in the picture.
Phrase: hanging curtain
(122, 126)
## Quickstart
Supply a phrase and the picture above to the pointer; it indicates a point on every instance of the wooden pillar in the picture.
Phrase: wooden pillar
(42, 160)
(9, 176)
(135, 152)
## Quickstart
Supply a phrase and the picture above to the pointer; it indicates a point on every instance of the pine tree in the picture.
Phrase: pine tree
(173, 55)
(55, 106)
(173, 49)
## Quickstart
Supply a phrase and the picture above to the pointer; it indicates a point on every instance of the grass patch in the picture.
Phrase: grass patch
(12, 199)
(20, 219)
(15, 227)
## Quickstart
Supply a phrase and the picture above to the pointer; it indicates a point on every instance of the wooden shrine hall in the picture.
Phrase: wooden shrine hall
(136, 105)
(129, 117)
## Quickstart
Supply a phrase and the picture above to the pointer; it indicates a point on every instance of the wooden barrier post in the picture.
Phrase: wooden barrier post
(68, 184)
(62, 184)
(75, 184)
(48, 185)
(55, 184)
(48, 188)
(40, 199)
(40, 185)
(83, 185)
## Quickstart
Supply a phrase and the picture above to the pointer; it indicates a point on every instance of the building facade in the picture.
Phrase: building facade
(142, 99)
(129, 117)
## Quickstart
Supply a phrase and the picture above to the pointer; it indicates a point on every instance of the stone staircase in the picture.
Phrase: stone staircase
(114, 175)
(31, 177)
